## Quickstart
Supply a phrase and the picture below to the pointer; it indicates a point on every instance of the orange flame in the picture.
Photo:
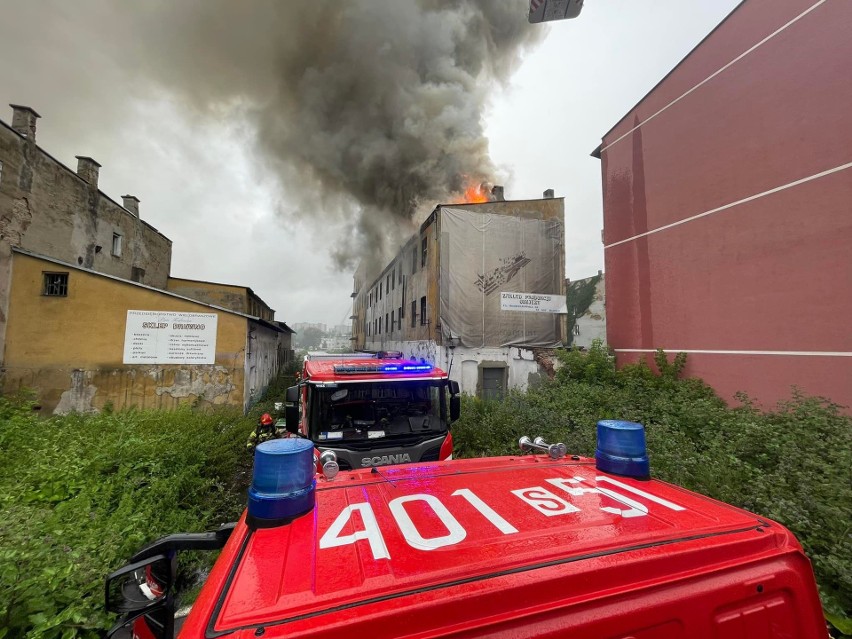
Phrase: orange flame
(475, 193)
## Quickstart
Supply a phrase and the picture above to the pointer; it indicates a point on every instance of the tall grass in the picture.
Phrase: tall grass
(792, 464)
(79, 494)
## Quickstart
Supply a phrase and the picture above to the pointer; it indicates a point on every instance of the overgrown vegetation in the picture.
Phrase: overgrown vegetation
(79, 494)
(793, 465)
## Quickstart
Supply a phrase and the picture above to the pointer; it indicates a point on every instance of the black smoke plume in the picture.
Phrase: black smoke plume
(366, 111)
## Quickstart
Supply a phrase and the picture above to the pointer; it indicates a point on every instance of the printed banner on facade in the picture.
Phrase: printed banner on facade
(166, 337)
(485, 256)
(532, 303)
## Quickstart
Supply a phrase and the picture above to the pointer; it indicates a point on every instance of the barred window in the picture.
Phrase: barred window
(55, 284)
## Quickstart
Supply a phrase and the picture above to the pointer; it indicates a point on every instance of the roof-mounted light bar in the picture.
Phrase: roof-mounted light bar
(401, 367)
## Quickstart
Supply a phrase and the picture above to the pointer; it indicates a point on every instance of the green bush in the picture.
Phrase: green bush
(79, 494)
(791, 464)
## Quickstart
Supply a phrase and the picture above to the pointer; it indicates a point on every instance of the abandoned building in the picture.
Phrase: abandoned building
(478, 291)
(89, 314)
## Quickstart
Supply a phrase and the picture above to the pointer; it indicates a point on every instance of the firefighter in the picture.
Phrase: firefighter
(264, 431)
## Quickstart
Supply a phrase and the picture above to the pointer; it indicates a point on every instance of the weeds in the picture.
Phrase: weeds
(791, 464)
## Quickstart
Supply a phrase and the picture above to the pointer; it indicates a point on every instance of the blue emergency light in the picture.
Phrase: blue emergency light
(401, 367)
(283, 482)
(621, 449)
(405, 368)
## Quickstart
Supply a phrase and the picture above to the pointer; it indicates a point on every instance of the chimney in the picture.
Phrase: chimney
(87, 169)
(548, 194)
(497, 194)
(131, 203)
(24, 121)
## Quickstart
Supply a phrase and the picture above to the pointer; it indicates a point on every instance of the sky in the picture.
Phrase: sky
(177, 104)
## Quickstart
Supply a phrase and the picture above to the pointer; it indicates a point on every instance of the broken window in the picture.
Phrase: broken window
(55, 285)
(424, 244)
(116, 244)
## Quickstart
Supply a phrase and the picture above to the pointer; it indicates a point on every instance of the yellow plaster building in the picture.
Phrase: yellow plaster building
(68, 324)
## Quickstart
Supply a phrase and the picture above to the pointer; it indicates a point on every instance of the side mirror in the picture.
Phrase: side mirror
(291, 419)
(455, 408)
(293, 394)
(454, 387)
(141, 592)
(140, 585)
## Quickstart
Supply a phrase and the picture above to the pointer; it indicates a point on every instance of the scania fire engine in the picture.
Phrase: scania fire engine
(374, 409)
(533, 545)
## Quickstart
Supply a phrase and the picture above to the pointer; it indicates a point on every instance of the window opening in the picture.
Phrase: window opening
(55, 285)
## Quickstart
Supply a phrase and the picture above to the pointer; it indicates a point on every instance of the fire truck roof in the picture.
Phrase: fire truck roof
(446, 541)
(368, 369)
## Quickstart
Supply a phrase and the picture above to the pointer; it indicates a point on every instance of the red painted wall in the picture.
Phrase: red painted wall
(771, 274)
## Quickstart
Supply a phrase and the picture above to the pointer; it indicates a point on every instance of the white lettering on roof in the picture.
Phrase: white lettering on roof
(413, 537)
(371, 532)
(636, 509)
(539, 498)
(487, 511)
(641, 493)
(545, 501)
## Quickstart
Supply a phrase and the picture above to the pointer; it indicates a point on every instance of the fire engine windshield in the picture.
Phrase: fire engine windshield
(378, 410)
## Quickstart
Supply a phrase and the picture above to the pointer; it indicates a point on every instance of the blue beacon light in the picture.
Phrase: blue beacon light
(283, 482)
(621, 449)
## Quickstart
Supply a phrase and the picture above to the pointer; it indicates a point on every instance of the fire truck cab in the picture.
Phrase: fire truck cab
(373, 409)
(535, 546)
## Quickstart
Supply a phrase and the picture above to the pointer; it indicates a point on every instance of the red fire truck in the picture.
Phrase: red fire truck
(541, 545)
(373, 409)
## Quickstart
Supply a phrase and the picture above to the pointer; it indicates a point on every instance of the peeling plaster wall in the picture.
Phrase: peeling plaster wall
(225, 295)
(262, 361)
(70, 349)
(523, 369)
(47, 209)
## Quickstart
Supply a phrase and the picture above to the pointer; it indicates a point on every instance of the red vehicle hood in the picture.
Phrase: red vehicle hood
(377, 537)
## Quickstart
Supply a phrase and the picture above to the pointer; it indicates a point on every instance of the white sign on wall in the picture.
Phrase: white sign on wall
(166, 337)
(533, 303)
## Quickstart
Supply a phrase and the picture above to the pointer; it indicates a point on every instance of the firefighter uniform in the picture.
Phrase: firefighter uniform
(264, 431)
